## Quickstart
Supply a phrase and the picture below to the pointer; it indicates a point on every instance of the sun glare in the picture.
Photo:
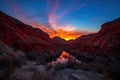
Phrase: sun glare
(70, 38)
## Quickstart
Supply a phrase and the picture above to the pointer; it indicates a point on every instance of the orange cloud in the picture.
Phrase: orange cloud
(66, 32)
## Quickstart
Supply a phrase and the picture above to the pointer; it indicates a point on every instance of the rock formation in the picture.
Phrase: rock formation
(104, 42)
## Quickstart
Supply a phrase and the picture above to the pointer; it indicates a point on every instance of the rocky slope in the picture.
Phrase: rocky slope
(33, 41)
(21, 36)
(105, 42)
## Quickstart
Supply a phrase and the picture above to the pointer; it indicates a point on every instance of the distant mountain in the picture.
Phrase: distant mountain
(58, 39)
(105, 42)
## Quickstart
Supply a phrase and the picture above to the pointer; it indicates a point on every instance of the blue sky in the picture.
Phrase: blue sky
(86, 15)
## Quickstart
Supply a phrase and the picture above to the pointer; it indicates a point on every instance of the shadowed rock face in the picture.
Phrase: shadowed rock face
(21, 36)
(106, 41)
(32, 41)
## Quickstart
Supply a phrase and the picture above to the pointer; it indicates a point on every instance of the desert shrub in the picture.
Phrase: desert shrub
(69, 63)
(31, 56)
(8, 65)
(3, 63)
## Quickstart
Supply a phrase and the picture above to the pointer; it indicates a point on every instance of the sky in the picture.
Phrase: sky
(67, 19)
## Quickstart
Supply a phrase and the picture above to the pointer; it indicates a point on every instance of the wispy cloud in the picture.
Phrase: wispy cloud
(81, 6)
(66, 31)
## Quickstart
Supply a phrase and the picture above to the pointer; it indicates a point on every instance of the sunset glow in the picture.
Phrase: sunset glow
(68, 19)
(65, 32)
(67, 35)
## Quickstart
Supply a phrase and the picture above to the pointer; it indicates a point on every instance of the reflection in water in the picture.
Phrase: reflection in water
(65, 55)
(64, 58)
